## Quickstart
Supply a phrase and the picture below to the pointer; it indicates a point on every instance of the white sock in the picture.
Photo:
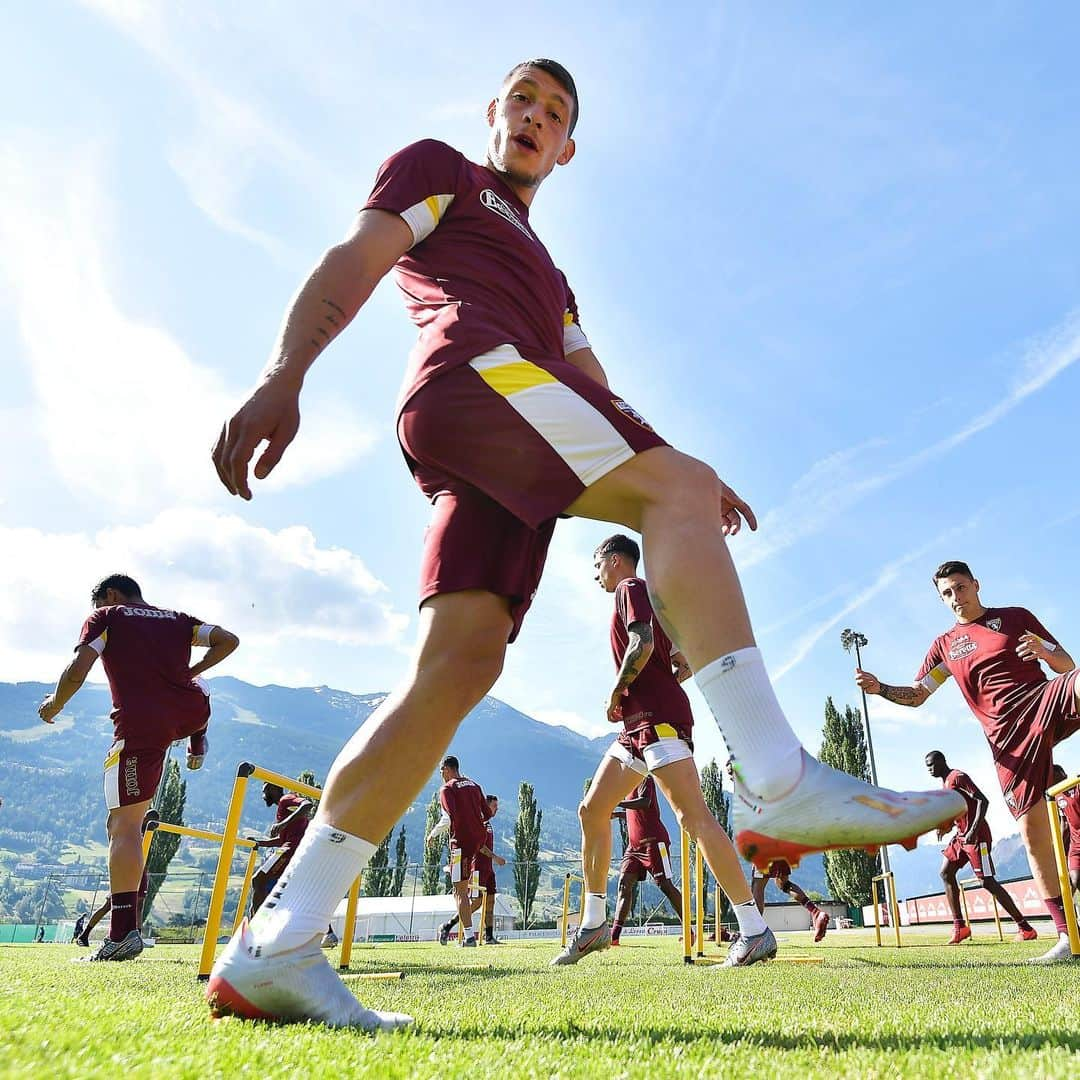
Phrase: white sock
(300, 904)
(751, 921)
(469, 933)
(595, 910)
(767, 752)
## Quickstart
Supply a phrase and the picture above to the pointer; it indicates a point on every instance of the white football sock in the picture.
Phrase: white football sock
(300, 905)
(751, 922)
(767, 752)
(595, 910)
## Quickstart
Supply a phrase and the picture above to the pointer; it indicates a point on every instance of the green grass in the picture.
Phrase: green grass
(923, 1011)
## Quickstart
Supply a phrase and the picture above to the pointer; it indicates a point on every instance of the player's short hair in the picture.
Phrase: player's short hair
(559, 74)
(1057, 774)
(953, 566)
(450, 762)
(935, 754)
(126, 586)
(619, 544)
(491, 798)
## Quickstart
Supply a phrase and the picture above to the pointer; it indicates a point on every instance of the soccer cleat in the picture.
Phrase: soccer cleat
(84, 941)
(444, 934)
(329, 940)
(826, 810)
(468, 943)
(959, 934)
(1060, 953)
(584, 941)
(1030, 934)
(126, 949)
(197, 748)
(491, 939)
(289, 987)
(751, 950)
(614, 944)
(820, 925)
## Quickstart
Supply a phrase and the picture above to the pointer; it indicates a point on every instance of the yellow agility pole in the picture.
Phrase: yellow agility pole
(566, 903)
(244, 772)
(889, 884)
(975, 883)
(1058, 838)
(245, 889)
(349, 930)
(699, 898)
(684, 852)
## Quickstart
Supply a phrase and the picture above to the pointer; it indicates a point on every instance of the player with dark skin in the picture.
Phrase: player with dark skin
(262, 881)
(938, 767)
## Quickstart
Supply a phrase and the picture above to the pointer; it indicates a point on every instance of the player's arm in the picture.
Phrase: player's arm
(1034, 647)
(639, 648)
(220, 644)
(283, 825)
(440, 828)
(982, 804)
(640, 803)
(914, 695)
(680, 667)
(71, 678)
(585, 360)
(327, 302)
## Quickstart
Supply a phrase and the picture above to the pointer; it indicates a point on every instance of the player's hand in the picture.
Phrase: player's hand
(733, 511)
(271, 415)
(48, 710)
(614, 706)
(498, 860)
(1032, 647)
(867, 682)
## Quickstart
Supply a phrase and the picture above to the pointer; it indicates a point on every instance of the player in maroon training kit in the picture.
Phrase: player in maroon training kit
(484, 862)
(994, 654)
(1068, 803)
(291, 819)
(507, 421)
(780, 873)
(971, 845)
(157, 698)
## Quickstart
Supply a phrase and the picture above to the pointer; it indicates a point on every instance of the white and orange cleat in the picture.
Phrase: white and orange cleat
(290, 987)
(825, 810)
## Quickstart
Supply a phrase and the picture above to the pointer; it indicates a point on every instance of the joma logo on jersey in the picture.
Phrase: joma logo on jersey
(629, 410)
(503, 209)
(961, 647)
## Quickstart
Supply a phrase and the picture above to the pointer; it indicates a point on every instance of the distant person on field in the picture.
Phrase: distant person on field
(1068, 803)
(484, 863)
(293, 817)
(780, 873)
(971, 844)
(157, 698)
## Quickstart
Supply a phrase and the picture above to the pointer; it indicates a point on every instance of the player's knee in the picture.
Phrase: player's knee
(947, 875)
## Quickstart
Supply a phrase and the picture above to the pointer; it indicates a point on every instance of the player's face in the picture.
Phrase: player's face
(935, 765)
(961, 593)
(605, 571)
(530, 123)
(271, 794)
(493, 806)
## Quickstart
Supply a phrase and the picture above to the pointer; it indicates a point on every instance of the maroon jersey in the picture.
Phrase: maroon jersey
(146, 652)
(981, 656)
(645, 824)
(463, 800)
(1069, 805)
(476, 276)
(963, 784)
(293, 833)
(655, 696)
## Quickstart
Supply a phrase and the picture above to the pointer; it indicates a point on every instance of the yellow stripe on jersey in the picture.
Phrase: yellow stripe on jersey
(935, 677)
(666, 731)
(512, 378)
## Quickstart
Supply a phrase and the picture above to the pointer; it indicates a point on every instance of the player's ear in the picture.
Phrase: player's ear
(567, 153)
(492, 106)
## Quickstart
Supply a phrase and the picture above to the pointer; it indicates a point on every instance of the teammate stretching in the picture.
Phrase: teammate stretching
(1069, 804)
(507, 422)
(971, 843)
(780, 872)
(484, 862)
(657, 722)
(646, 853)
(994, 654)
(156, 699)
(292, 817)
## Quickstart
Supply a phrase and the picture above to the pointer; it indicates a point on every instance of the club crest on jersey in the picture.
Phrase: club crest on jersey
(629, 410)
(994, 624)
(961, 647)
(503, 209)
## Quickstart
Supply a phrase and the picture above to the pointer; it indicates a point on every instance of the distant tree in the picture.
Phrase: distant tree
(401, 863)
(843, 746)
(377, 874)
(433, 850)
(527, 849)
(712, 789)
(170, 808)
(308, 777)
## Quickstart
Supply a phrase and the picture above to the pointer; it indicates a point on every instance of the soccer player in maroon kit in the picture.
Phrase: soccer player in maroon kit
(157, 699)
(650, 704)
(971, 844)
(994, 654)
(484, 862)
(780, 872)
(507, 421)
(1068, 803)
(292, 817)
(647, 852)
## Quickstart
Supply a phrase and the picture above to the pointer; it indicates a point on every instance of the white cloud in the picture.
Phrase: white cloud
(572, 720)
(280, 591)
(125, 413)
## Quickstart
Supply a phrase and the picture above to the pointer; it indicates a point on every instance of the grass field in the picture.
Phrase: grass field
(923, 1011)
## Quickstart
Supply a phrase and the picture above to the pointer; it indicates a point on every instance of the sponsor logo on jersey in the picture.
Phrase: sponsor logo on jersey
(994, 624)
(501, 207)
(147, 613)
(629, 410)
(961, 647)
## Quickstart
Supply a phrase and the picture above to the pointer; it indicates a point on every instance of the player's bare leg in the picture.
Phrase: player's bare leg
(624, 903)
(683, 511)
(274, 968)
(1026, 932)
(1035, 832)
(464, 911)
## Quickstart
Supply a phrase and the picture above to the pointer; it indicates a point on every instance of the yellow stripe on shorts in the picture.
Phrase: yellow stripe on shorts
(512, 378)
(114, 758)
(665, 731)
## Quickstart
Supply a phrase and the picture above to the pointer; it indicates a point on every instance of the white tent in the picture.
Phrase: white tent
(415, 917)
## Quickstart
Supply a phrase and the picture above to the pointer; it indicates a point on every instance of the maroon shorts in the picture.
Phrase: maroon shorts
(461, 863)
(132, 775)
(958, 854)
(648, 857)
(1046, 717)
(636, 741)
(485, 873)
(502, 446)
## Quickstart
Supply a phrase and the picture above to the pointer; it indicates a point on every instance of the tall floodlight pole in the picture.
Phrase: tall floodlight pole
(852, 639)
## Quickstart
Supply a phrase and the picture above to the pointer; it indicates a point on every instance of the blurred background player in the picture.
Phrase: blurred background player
(465, 814)
(1069, 806)
(995, 655)
(484, 864)
(647, 852)
(780, 873)
(971, 843)
(291, 821)
(157, 698)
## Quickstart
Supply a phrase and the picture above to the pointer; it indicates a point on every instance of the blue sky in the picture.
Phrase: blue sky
(832, 251)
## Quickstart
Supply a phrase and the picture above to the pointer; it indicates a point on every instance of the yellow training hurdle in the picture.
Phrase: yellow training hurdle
(1058, 837)
(975, 883)
(889, 882)
(570, 878)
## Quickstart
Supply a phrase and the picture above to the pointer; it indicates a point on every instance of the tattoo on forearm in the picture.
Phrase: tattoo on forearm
(901, 695)
(330, 304)
(334, 317)
(640, 637)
